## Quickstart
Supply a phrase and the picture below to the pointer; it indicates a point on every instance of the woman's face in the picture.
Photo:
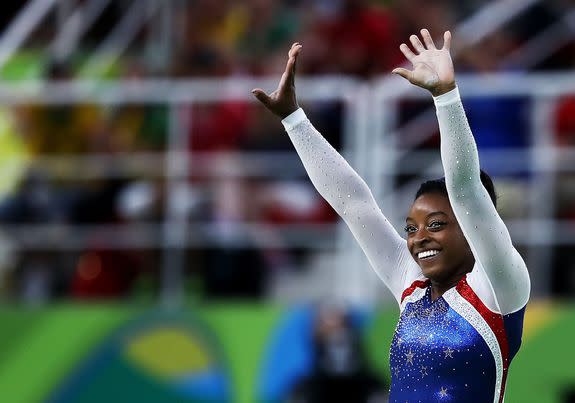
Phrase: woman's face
(435, 240)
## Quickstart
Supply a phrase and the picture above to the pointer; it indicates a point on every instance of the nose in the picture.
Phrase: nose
(421, 238)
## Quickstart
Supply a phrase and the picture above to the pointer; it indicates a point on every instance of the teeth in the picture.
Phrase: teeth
(427, 253)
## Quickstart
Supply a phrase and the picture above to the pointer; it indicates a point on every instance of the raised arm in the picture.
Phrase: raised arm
(341, 186)
(484, 230)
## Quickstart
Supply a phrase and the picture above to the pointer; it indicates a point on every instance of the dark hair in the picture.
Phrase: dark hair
(438, 186)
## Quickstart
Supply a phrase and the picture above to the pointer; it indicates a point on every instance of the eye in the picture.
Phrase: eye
(410, 229)
(436, 225)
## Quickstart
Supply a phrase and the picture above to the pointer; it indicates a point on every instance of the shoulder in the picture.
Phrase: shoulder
(506, 289)
(479, 283)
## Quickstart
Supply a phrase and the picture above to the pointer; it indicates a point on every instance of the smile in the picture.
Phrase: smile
(427, 254)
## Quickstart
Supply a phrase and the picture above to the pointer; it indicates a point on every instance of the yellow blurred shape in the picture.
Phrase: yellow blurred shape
(168, 352)
(538, 315)
(13, 156)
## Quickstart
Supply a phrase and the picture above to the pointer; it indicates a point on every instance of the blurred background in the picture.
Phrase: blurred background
(159, 238)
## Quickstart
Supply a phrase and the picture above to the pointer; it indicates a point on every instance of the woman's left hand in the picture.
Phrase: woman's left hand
(432, 67)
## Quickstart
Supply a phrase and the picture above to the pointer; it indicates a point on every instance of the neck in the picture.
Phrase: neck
(438, 287)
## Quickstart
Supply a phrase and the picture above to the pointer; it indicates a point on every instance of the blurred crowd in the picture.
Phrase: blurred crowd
(39, 145)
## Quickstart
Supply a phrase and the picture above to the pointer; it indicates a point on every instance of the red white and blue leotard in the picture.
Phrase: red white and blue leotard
(457, 348)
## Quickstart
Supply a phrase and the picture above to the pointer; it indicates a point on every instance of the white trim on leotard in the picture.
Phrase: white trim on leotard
(474, 318)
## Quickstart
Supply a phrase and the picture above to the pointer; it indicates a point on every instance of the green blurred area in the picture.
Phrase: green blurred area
(30, 64)
(39, 347)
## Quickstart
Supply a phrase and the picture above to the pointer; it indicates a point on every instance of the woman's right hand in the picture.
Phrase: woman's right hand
(282, 102)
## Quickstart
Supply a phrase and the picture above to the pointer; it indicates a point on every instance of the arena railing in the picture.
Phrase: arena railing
(370, 130)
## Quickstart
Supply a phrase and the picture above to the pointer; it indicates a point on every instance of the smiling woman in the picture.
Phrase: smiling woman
(437, 243)
(431, 228)
(460, 284)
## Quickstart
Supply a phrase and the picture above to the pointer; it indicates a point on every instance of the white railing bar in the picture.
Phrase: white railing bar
(121, 36)
(75, 27)
(165, 91)
(60, 237)
(544, 44)
(15, 35)
(495, 84)
(175, 226)
(309, 89)
(416, 130)
(489, 19)
(285, 164)
(509, 161)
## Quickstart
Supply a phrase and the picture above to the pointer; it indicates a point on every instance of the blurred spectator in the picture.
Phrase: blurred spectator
(341, 372)
(490, 53)
(498, 122)
(353, 38)
(38, 277)
(102, 274)
(218, 127)
(293, 202)
(212, 30)
(563, 267)
(437, 16)
(564, 121)
(136, 127)
(36, 200)
(13, 156)
(52, 131)
(237, 268)
(270, 27)
(60, 129)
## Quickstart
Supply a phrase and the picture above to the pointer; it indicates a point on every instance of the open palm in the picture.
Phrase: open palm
(432, 67)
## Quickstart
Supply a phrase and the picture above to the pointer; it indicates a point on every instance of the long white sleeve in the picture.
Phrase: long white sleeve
(351, 198)
(487, 235)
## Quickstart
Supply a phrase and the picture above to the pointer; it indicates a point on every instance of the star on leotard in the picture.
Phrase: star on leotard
(443, 392)
(409, 357)
(423, 371)
(448, 352)
(399, 341)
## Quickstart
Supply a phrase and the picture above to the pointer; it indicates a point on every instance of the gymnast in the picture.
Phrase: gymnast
(460, 284)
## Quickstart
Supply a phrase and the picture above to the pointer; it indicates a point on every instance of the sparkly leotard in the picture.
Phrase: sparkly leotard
(458, 347)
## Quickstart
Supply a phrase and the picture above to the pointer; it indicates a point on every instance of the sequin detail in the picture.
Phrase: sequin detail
(467, 311)
(435, 348)
(472, 206)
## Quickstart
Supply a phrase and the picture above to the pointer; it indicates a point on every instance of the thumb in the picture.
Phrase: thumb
(400, 71)
(261, 96)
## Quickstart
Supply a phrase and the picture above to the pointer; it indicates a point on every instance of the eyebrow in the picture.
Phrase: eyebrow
(429, 215)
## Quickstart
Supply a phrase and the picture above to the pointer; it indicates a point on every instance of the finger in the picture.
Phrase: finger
(294, 50)
(417, 45)
(427, 39)
(406, 51)
(447, 40)
(400, 71)
(261, 96)
(288, 76)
